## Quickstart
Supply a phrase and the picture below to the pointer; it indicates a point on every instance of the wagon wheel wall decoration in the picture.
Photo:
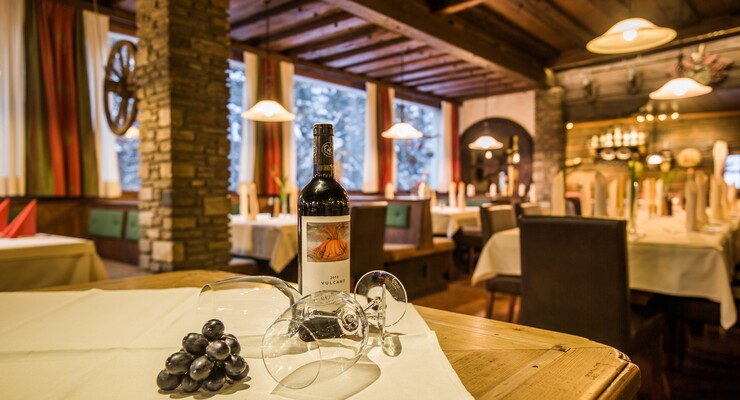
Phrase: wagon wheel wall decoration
(119, 89)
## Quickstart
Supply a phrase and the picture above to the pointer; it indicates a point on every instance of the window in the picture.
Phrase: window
(732, 170)
(416, 159)
(316, 102)
(235, 80)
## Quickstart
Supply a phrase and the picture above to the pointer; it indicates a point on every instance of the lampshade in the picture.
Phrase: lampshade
(485, 143)
(680, 88)
(402, 130)
(630, 35)
(654, 159)
(268, 111)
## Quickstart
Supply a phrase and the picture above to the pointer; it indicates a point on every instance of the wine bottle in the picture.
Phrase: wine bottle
(323, 222)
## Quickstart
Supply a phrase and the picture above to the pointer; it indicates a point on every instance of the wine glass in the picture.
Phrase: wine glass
(319, 337)
(383, 299)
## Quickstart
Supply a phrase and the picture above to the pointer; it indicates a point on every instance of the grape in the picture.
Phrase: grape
(167, 381)
(213, 329)
(235, 365)
(178, 363)
(218, 350)
(240, 376)
(233, 343)
(201, 368)
(190, 385)
(215, 380)
(195, 344)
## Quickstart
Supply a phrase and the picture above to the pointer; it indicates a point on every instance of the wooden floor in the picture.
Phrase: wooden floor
(711, 369)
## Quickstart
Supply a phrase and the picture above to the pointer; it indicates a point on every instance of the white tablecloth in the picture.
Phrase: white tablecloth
(111, 344)
(266, 238)
(47, 260)
(663, 259)
(447, 220)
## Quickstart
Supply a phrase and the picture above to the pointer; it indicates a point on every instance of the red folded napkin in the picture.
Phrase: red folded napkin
(4, 211)
(24, 224)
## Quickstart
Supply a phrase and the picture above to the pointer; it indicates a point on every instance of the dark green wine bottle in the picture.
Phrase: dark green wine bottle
(323, 222)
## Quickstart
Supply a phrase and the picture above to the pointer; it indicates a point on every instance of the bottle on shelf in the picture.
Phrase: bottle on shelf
(323, 222)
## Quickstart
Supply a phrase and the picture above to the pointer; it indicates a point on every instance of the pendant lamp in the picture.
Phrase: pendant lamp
(680, 88)
(631, 35)
(402, 130)
(268, 110)
(486, 142)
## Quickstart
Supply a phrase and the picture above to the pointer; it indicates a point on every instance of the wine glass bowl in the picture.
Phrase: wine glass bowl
(320, 336)
(384, 300)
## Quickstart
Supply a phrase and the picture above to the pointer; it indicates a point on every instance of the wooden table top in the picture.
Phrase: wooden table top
(494, 360)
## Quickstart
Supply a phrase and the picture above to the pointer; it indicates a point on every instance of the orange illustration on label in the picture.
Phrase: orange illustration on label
(328, 242)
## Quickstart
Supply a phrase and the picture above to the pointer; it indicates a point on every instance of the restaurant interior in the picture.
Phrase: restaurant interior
(544, 191)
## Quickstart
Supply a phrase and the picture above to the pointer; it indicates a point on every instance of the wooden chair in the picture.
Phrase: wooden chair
(575, 280)
(470, 238)
(367, 235)
(495, 219)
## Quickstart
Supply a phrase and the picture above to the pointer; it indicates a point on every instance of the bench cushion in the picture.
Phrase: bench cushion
(398, 252)
(397, 216)
(105, 223)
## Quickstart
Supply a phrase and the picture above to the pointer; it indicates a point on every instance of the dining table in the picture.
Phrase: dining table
(47, 260)
(274, 239)
(486, 358)
(663, 257)
(448, 220)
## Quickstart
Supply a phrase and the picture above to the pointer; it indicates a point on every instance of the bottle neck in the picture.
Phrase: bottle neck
(323, 156)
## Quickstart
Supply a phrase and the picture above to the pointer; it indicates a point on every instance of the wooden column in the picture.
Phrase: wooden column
(184, 170)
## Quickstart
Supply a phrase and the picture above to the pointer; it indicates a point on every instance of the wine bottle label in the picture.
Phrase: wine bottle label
(325, 253)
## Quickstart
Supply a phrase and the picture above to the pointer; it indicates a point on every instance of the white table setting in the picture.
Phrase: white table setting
(266, 237)
(448, 220)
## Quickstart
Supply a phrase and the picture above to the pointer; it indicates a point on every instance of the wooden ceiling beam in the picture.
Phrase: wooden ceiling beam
(439, 69)
(273, 11)
(451, 6)
(393, 59)
(307, 50)
(553, 16)
(363, 50)
(464, 73)
(308, 26)
(476, 81)
(481, 92)
(413, 19)
(407, 67)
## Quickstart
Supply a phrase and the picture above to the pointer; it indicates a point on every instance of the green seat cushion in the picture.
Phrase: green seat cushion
(397, 216)
(476, 202)
(132, 226)
(235, 209)
(106, 223)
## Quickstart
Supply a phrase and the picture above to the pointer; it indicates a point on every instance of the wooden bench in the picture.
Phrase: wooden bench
(420, 260)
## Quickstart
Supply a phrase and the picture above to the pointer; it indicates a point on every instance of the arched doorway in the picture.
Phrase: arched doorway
(475, 168)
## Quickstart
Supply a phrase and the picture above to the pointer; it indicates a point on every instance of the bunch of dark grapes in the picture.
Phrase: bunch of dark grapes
(206, 360)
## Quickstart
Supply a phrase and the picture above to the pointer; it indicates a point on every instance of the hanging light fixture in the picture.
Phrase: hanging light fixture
(630, 35)
(680, 88)
(268, 110)
(486, 142)
(402, 130)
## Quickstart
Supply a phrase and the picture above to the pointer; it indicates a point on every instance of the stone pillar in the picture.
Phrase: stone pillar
(549, 139)
(181, 71)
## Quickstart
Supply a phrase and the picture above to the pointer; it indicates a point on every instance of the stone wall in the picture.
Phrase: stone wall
(549, 139)
(181, 63)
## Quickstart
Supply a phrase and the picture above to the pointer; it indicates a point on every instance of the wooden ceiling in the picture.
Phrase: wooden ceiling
(453, 49)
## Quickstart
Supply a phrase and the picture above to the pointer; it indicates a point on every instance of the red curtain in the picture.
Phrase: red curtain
(56, 40)
(385, 146)
(455, 143)
(269, 143)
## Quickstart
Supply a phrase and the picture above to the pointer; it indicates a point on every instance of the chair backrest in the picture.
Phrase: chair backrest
(521, 209)
(417, 229)
(367, 235)
(496, 218)
(574, 277)
(105, 223)
(572, 206)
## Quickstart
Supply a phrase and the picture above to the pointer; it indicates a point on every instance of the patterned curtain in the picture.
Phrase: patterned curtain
(60, 153)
